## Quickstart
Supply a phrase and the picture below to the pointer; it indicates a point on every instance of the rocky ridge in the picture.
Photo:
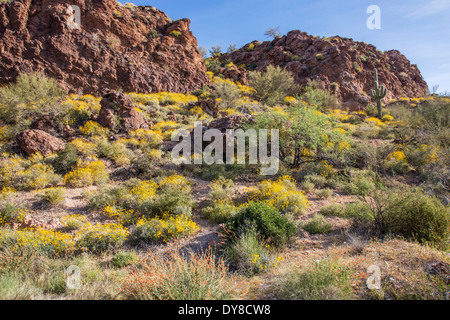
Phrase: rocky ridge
(135, 49)
(341, 65)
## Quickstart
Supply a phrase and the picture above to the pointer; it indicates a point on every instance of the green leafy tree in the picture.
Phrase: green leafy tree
(306, 135)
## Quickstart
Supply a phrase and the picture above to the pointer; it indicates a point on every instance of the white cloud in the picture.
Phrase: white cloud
(434, 7)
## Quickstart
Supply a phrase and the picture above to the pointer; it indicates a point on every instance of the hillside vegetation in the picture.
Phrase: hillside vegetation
(353, 191)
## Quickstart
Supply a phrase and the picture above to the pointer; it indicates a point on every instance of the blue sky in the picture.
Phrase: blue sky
(420, 29)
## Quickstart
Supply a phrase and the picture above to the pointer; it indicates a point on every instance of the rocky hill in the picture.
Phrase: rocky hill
(131, 48)
(338, 64)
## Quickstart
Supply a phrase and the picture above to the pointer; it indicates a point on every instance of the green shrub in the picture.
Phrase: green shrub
(410, 214)
(361, 184)
(267, 221)
(307, 186)
(333, 210)
(250, 254)
(101, 238)
(105, 196)
(325, 193)
(31, 97)
(306, 137)
(228, 92)
(219, 212)
(124, 259)
(358, 211)
(214, 65)
(321, 98)
(327, 279)
(10, 213)
(222, 190)
(318, 225)
(53, 196)
(271, 86)
(417, 216)
(66, 159)
(172, 201)
(115, 151)
(318, 180)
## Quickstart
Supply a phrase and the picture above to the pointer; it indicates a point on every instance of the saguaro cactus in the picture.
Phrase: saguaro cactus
(378, 94)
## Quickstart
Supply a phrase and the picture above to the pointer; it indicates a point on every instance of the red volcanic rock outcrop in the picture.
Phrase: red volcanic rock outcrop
(32, 141)
(136, 49)
(340, 65)
(118, 106)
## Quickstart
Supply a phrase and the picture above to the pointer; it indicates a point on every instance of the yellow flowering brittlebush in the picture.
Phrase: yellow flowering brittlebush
(153, 137)
(86, 174)
(397, 161)
(37, 176)
(144, 191)
(281, 194)
(12, 214)
(43, 241)
(163, 98)
(124, 216)
(165, 229)
(74, 221)
(84, 147)
(93, 128)
(375, 121)
(81, 108)
(175, 182)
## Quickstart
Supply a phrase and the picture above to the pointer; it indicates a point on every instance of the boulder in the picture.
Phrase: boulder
(33, 140)
(117, 106)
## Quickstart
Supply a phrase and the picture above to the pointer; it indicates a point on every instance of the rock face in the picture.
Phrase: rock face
(137, 49)
(340, 65)
(32, 141)
(117, 106)
(223, 124)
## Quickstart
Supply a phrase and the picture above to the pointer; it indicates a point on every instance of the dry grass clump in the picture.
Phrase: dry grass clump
(178, 274)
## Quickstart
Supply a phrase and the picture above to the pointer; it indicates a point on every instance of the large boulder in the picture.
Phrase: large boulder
(117, 106)
(32, 141)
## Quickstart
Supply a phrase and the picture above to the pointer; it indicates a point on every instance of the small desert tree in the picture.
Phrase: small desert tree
(306, 136)
(215, 51)
(228, 93)
(232, 48)
(273, 32)
(271, 86)
(203, 52)
(31, 97)
(321, 98)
